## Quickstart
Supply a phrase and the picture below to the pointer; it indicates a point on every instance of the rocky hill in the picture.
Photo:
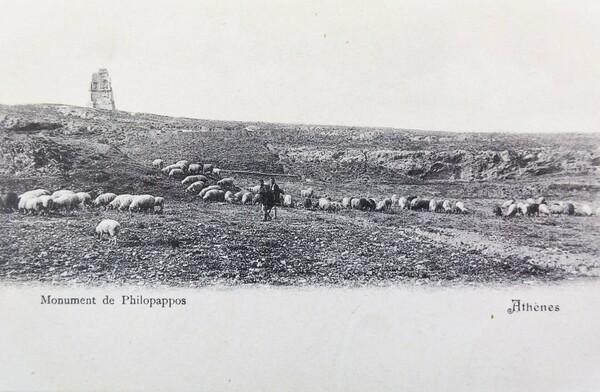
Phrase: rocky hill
(66, 141)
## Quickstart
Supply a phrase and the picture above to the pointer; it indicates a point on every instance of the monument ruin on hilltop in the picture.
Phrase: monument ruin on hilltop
(101, 88)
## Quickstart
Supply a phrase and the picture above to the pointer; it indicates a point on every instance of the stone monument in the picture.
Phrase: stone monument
(101, 89)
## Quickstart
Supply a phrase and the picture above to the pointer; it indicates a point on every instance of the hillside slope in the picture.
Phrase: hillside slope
(60, 140)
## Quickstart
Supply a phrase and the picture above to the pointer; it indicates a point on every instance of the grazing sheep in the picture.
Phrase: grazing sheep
(117, 201)
(214, 195)
(183, 164)
(307, 203)
(403, 203)
(254, 189)
(556, 209)
(530, 201)
(160, 203)
(237, 197)
(63, 192)
(207, 168)
(196, 187)
(226, 182)
(380, 206)
(544, 209)
(355, 203)
(35, 193)
(167, 169)
(521, 208)
(191, 179)
(512, 210)
(104, 199)
(9, 201)
(346, 202)
(508, 203)
(62, 203)
(158, 163)
(433, 205)
(459, 207)
(541, 200)
(247, 198)
(194, 168)
(307, 192)
(207, 189)
(47, 202)
(447, 206)
(287, 201)
(497, 211)
(229, 197)
(176, 173)
(33, 205)
(109, 227)
(84, 198)
(126, 203)
(323, 201)
(216, 172)
(395, 199)
(587, 210)
(142, 203)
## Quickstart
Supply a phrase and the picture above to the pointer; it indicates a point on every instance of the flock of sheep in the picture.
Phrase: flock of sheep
(205, 181)
(42, 201)
(539, 207)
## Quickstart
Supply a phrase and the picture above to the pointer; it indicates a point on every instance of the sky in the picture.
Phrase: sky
(513, 66)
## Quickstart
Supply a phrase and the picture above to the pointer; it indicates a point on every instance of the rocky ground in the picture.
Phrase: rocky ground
(195, 244)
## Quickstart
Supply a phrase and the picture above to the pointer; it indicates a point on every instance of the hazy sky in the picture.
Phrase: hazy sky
(460, 65)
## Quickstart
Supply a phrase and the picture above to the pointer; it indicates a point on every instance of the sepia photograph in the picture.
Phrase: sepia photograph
(316, 195)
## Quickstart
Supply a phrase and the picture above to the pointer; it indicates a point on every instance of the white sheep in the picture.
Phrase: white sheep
(104, 199)
(117, 201)
(287, 201)
(47, 202)
(459, 206)
(229, 197)
(380, 206)
(254, 189)
(33, 205)
(216, 172)
(35, 193)
(508, 203)
(447, 206)
(208, 189)
(158, 163)
(512, 210)
(238, 196)
(587, 210)
(62, 203)
(346, 201)
(176, 173)
(109, 227)
(207, 168)
(84, 198)
(544, 209)
(226, 182)
(142, 203)
(194, 168)
(395, 199)
(191, 179)
(62, 192)
(167, 169)
(247, 198)
(307, 192)
(196, 187)
(183, 164)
